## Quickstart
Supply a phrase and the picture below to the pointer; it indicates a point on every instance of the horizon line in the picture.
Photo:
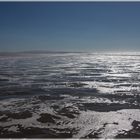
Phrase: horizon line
(52, 51)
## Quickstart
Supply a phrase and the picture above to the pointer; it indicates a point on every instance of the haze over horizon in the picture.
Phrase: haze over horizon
(70, 26)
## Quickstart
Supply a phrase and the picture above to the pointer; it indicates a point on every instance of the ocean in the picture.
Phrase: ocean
(70, 95)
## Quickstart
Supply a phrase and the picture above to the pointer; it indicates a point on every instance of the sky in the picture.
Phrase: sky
(70, 26)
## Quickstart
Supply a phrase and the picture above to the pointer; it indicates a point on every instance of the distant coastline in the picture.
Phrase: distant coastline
(35, 52)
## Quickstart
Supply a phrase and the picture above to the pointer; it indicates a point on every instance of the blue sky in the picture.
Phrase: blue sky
(70, 26)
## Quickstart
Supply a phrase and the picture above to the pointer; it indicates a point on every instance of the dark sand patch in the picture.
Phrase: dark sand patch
(70, 112)
(47, 118)
(49, 97)
(76, 84)
(72, 92)
(106, 107)
(20, 115)
(3, 119)
(19, 91)
(34, 132)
